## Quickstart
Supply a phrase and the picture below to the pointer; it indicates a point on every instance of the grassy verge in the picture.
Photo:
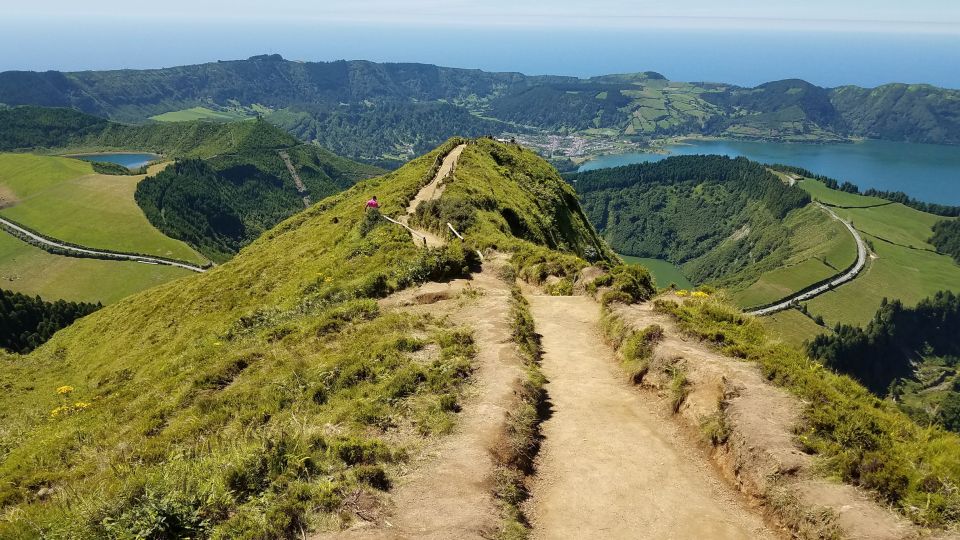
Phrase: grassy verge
(516, 451)
(859, 438)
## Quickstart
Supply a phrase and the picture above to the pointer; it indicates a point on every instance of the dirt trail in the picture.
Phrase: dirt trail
(301, 187)
(611, 466)
(760, 456)
(448, 493)
(429, 192)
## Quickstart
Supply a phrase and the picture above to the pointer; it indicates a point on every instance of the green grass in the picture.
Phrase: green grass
(792, 327)
(820, 247)
(819, 191)
(897, 271)
(63, 198)
(664, 272)
(30, 270)
(253, 400)
(199, 113)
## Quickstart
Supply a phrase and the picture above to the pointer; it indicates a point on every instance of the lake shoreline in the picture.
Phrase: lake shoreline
(926, 172)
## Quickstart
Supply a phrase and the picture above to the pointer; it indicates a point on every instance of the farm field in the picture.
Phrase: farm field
(792, 327)
(63, 198)
(820, 247)
(30, 270)
(895, 270)
(199, 113)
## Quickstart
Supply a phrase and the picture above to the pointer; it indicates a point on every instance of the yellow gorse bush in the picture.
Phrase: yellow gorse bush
(64, 390)
(682, 292)
(699, 294)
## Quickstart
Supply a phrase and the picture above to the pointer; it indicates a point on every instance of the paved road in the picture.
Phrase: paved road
(839, 280)
(107, 254)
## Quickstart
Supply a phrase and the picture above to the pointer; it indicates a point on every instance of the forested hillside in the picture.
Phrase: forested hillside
(220, 204)
(27, 322)
(718, 217)
(946, 238)
(910, 354)
(232, 185)
(387, 112)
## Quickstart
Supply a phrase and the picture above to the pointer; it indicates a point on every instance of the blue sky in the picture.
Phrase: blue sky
(746, 42)
(869, 15)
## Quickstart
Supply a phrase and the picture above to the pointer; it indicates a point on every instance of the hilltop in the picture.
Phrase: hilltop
(377, 112)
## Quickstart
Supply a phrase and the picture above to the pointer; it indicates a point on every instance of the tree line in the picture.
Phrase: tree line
(28, 322)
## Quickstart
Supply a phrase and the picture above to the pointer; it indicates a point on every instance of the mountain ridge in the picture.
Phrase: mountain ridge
(378, 111)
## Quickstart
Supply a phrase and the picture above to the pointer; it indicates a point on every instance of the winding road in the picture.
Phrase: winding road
(9, 225)
(787, 302)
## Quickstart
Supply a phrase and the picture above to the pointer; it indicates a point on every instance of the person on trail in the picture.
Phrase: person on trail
(373, 204)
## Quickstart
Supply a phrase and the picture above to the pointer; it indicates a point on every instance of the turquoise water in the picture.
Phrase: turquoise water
(928, 172)
(664, 272)
(131, 161)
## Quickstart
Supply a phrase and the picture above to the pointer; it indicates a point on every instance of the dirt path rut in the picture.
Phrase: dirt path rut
(430, 192)
(301, 187)
(448, 492)
(611, 465)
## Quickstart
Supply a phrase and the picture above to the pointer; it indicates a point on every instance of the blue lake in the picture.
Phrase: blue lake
(928, 172)
(131, 161)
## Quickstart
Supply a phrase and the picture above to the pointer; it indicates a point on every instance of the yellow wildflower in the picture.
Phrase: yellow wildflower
(682, 292)
(327, 279)
(64, 390)
(63, 409)
(699, 294)
(80, 405)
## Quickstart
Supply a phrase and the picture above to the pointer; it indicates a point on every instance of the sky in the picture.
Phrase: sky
(881, 15)
(747, 42)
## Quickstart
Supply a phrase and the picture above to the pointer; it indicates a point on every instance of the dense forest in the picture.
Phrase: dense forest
(220, 204)
(946, 238)
(40, 127)
(28, 322)
(895, 338)
(713, 214)
(379, 111)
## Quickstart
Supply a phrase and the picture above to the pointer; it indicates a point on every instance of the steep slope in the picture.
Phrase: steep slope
(264, 397)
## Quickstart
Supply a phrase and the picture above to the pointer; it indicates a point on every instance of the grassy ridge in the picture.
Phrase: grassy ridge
(78, 206)
(252, 400)
(199, 113)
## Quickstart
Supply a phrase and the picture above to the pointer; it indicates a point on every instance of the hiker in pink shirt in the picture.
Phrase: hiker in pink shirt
(372, 203)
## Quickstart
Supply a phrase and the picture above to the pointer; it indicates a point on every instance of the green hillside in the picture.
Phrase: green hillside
(185, 410)
(725, 221)
(236, 186)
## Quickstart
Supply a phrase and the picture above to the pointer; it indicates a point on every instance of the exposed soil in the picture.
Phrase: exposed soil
(429, 192)
(611, 465)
